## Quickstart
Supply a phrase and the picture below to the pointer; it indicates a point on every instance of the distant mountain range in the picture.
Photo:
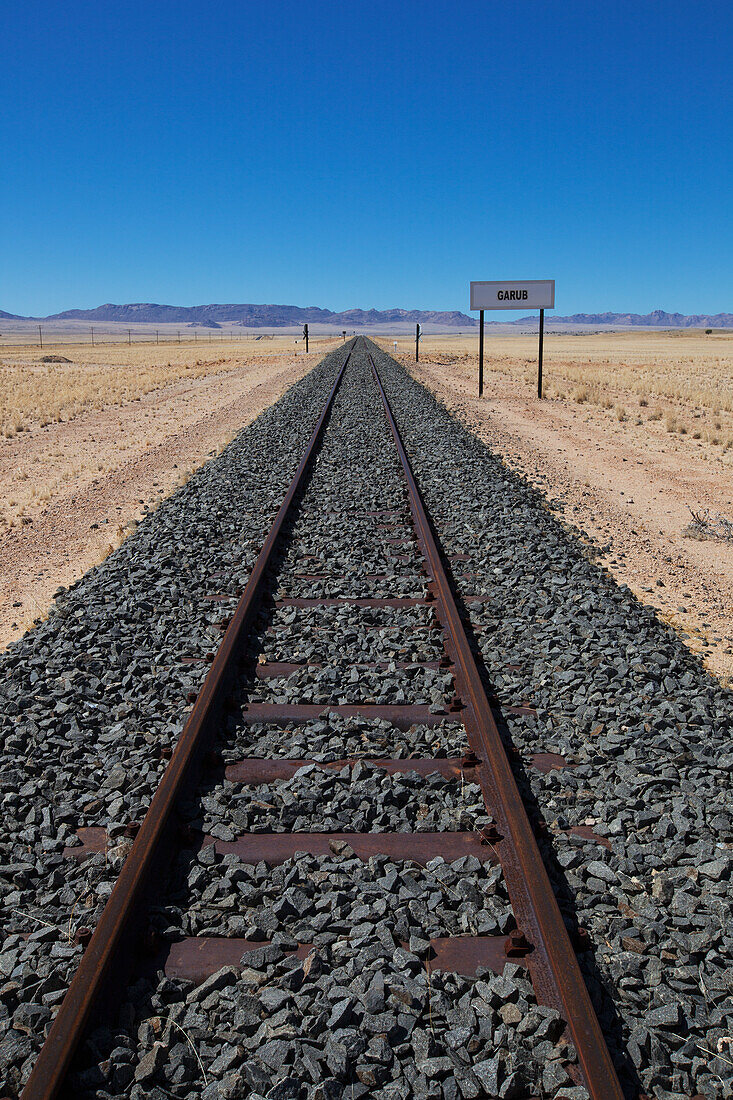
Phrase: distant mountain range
(252, 316)
(657, 319)
(274, 316)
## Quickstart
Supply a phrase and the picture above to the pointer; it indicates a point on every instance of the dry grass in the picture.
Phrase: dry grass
(34, 394)
(706, 526)
(686, 377)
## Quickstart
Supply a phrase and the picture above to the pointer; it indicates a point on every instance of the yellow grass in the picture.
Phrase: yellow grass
(685, 378)
(33, 393)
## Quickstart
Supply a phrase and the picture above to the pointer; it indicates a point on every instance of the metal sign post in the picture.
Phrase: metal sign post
(305, 335)
(417, 343)
(531, 294)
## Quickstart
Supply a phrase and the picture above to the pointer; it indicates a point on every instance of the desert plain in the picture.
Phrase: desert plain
(633, 439)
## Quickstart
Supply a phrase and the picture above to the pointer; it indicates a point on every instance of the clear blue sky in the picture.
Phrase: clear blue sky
(366, 153)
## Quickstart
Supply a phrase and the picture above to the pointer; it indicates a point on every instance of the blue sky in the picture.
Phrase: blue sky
(366, 154)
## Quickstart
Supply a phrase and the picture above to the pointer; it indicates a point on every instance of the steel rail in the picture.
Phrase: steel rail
(556, 976)
(54, 1058)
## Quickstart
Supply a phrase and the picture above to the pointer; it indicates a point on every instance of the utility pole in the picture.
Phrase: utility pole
(40, 335)
(179, 337)
(305, 334)
(156, 337)
(92, 337)
(417, 343)
(129, 336)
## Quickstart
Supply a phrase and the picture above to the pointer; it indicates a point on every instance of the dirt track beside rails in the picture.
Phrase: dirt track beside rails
(627, 488)
(87, 480)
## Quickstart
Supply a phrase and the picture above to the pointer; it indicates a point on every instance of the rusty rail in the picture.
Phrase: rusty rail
(556, 976)
(49, 1072)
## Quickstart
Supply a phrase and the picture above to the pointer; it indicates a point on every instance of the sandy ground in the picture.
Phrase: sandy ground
(605, 446)
(626, 484)
(78, 486)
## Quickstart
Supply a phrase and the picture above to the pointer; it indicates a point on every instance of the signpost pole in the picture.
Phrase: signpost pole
(417, 343)
(512, 294)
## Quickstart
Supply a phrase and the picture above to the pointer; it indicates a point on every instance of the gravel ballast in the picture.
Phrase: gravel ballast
(92, 696)
(619, 694)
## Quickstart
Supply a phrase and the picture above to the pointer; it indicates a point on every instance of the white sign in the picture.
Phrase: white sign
(530, 294)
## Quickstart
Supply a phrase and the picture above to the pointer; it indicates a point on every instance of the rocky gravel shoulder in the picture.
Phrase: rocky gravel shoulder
(648, 729)
(91, 700)
(637, 829)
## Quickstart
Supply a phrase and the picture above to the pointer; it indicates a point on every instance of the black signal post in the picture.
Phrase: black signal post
(417, 343)
(481, 354)
(305, 335)
(539, 357)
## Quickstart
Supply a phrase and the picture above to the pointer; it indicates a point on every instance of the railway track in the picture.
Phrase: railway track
(350, 646)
